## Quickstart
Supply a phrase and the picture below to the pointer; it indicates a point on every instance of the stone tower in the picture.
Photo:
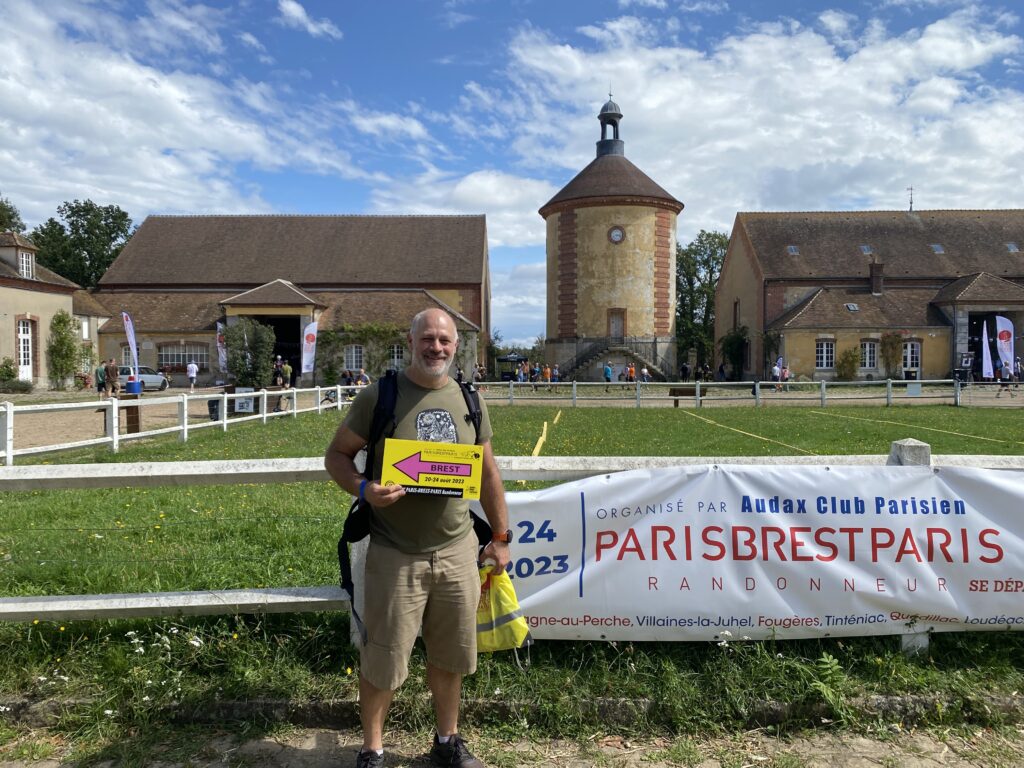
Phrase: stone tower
(611, 266)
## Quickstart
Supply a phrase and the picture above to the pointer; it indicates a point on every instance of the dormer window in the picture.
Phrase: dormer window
(867, 250)
(937, 248)
(27, 265)
(851, 307)
(793, 250)
(1012, 248)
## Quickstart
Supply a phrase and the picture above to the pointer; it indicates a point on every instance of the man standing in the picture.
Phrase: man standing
(286, 373)
(607, 374)
(111, 382)
(101, 379)
(422, 559)
(192, 371)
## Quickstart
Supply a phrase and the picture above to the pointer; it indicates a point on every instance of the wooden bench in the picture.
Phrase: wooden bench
(684, 391)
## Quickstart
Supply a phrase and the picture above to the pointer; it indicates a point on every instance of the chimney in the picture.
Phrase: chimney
(876, 278)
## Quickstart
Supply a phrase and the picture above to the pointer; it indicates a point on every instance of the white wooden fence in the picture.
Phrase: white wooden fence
(318, 598)
(319, 399)
(216, 415)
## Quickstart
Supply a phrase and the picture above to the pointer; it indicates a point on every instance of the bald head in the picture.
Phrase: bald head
(433, 340)
(430, 317)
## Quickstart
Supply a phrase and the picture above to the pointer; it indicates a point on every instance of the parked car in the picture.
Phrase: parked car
(150, 379)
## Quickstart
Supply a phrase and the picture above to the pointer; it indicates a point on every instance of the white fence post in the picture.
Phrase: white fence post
(319, 402)
(910, 453)
(511, 395)
(956, 392)
(822, 393)
(113, 423)
(574, 393)
(224, 411)
(263, 404)
(183, 416)
(888, 392)
(295, 404)
(638, 393)
(696, 394)
(757, 393)
(7, 432)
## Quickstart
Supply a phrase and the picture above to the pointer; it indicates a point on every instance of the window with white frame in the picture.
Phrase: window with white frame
(911, 355)
(354, 357)
(126, 355)
(824, 353)
(26, 265)
(396, 357)
(83, 323)
(177, 356)
(869, 354)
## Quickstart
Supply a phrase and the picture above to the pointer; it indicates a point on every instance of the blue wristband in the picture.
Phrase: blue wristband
(362, 489)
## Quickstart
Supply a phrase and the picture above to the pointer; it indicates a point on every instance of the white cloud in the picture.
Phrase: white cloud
(779, 117)
(147, 138)
(510, 202)
(704, 6)
(660, 4)
(519, 302)
(294, 15)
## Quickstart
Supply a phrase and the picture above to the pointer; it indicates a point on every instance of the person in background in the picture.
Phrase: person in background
(101, 378)
(192, 371)
(111, 382)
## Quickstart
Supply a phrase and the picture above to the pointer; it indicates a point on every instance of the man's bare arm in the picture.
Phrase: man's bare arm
(339, 461)
(492, 499)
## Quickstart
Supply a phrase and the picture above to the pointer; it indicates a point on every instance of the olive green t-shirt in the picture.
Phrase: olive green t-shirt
(417, 523)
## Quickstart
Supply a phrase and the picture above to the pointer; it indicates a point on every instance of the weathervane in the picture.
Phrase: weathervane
(910, 189)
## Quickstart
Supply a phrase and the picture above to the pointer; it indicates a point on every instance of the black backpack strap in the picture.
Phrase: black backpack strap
(474, 416)
(357, 523)
(473, 413)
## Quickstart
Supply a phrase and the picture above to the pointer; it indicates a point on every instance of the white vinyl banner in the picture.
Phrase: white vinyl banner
(309, 348)
(712, 552)
(1004, 339)
(222, 349)
(986, 353)
(129, 332)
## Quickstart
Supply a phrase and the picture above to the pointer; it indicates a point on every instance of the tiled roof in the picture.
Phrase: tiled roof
(83, 303)
(610, 176)
(354, 307)
(162, 311)
(827, 308)
(829, 243)
(238, 252)
(278, 292)
(980, 287)
(199, 311)
(11, 239)
(43, 275)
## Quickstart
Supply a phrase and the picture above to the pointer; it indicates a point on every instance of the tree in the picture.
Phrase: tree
(250, 348)
(10, 217)
(698, 267)
(847, 364)
(84, 243)
(734, 349)
(891, 348)
(63, 352)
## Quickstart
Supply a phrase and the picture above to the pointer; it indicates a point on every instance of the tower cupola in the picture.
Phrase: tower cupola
(609, 117)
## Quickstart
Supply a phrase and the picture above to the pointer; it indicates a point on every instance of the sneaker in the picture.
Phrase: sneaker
(453, 753)
(369, 760)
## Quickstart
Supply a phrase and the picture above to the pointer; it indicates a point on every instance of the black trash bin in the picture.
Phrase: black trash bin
(214, 408)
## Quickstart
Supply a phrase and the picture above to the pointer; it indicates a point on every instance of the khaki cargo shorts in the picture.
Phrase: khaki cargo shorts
(436, 590)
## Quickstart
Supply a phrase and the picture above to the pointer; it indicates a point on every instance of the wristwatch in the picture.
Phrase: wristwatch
(506, 537)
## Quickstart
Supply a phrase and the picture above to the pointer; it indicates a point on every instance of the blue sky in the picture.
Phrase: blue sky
(483, 106)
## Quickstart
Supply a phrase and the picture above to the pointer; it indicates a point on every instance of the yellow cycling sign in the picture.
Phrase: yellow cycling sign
(433, 469)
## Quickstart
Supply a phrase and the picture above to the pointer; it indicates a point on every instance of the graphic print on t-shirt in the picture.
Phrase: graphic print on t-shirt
(437, 426)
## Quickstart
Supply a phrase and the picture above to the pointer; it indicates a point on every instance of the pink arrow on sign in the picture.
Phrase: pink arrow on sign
(414, 466)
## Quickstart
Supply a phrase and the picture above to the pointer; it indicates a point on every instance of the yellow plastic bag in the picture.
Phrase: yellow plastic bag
(500, 624)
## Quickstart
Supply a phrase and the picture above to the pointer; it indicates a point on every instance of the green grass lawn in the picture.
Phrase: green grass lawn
(128, 540)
